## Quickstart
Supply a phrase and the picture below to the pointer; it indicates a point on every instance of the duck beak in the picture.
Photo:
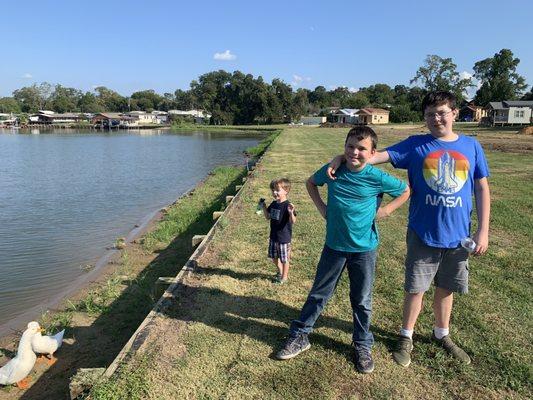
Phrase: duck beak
(42, 330)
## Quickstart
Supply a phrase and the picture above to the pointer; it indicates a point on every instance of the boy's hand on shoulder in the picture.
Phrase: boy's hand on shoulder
(482, 242)
(334, 165)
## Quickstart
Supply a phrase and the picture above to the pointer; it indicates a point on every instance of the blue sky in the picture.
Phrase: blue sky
(163, 45)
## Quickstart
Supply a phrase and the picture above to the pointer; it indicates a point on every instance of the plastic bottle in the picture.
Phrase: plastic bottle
(260, 205)
(468, 244)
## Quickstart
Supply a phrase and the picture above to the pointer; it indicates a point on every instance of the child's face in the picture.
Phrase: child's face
(439, 119)
(358, 152)
(279, 193)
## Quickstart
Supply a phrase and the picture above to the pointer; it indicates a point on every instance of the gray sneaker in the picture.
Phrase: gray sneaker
(363, 360)
(293, 346)
(452, 349)
(402, 353)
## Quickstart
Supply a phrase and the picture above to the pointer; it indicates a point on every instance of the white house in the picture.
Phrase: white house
(160, 116)
(199, 116)
(345, 116)
(510, 112)
(142, 117)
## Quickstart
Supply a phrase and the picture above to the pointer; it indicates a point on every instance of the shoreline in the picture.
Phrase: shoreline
(101, 270)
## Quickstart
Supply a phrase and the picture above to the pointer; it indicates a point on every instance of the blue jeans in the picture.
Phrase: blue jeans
(361, 269)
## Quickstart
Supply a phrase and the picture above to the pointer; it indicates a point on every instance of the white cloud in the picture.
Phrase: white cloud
(27, 75)
(465, 75)
(225, 56)
(298, 80)
(471, 91)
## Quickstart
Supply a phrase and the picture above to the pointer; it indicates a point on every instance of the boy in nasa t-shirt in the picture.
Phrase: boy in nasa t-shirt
(444, 170)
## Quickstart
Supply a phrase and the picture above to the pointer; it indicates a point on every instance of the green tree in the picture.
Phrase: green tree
(64, 99)
(9, 105)
(439, 73)
(146, 100)
(403, 113)
(498, 77)
(33, 98)
(111, 100)
(300, 104)
(89, 103)
(320, 97)
(528, 96)
(185, 100)
(379, 95)
(358, 100)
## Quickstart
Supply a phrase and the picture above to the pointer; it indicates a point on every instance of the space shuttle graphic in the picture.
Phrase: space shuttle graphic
(446, 181)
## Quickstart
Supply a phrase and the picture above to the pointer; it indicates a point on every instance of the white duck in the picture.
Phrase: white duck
(17, 369)
(47, 344)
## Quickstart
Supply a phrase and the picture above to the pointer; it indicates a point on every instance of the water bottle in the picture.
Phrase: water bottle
(468, 244)
(260, 205)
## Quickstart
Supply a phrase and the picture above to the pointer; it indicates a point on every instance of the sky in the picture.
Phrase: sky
(135, 45)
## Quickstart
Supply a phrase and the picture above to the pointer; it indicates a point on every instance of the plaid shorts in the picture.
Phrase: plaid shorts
(279, 250)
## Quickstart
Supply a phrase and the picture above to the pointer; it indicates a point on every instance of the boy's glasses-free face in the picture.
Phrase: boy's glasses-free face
(439, 115)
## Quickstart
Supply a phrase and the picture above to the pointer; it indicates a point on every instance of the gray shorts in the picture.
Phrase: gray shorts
(423, 264)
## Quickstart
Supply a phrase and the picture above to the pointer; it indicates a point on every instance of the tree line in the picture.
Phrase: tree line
(238, 98)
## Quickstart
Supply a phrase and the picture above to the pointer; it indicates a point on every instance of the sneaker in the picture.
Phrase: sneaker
(294, 346)
(280, 281)
(363, 360)
(451, 348)
(402, 353)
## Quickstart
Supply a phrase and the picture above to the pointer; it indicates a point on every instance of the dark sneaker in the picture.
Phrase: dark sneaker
(452, 349)
(293, 346)
(363, 360)
(402, 353)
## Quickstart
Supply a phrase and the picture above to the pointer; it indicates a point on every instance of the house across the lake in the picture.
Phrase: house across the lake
(511, 112)
(345, 116)
(373, 116)
(472, 113)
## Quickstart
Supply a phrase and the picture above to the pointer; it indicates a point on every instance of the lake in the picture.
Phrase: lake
(66, 196)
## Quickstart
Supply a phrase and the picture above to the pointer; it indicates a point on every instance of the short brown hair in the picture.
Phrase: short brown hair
(285, 183)
(438, 98)
(363, 132)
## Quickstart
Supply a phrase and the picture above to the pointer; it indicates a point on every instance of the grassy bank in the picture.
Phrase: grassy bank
(217, 339)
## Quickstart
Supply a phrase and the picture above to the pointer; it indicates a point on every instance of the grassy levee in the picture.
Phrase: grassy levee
(217, 339)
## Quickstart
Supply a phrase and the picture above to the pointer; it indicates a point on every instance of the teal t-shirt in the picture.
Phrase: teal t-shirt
(352, 204)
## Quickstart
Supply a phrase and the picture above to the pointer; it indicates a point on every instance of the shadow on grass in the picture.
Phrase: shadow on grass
(242, 315)
(97, 345)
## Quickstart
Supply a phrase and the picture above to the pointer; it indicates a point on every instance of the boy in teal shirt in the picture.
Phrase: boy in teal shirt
(351, 241)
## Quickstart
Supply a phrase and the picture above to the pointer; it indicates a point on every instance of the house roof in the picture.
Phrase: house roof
(346, 111)
(519, 103)
(59, 116)
(497, 105)
(370, 111)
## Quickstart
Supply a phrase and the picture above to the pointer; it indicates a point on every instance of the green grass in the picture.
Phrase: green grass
(235, 318)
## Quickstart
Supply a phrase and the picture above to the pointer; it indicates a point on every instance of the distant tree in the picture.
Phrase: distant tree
(185, 100)
(358, 100)
(529, 95)
(439, 73)
(111, 100)
(379, 95)
(339, 97)
(89, 103)
(147, 100)
(9, 105)
(33, 98)
(64, 99)
(498, 77)
(300, 105)
(403, 113)
(320, 97)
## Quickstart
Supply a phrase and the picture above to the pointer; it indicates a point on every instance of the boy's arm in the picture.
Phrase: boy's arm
(388, 209)
(379, 157)
(312, 189)
(482, 194)
(292, 215)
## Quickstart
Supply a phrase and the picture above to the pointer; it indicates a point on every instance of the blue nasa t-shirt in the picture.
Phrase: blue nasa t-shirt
(441, 176)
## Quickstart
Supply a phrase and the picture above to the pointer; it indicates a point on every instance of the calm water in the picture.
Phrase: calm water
(65, 197)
